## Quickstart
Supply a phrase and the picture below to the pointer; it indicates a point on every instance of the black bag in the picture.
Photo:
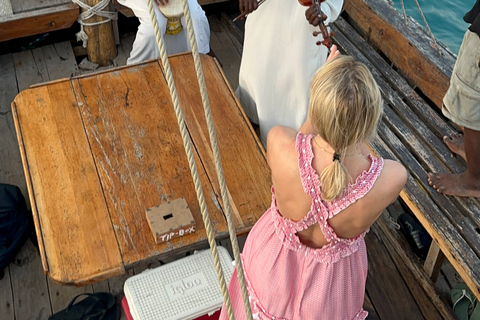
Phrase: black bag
(14, 223)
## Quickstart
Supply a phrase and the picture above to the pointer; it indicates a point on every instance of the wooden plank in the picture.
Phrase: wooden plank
(60, 60)
(134, 137)
(368, 306)
(420, 285)
(72, 218)
(383, 279)
(406, 49)
(30, 68)
(30, 294)
(11, 170)
(60, 295)
(244, 164)
(123, 50)
(38, 21)
(234, 32)
(29, 5)
(434, 261)
(223, 46)
(6, 296)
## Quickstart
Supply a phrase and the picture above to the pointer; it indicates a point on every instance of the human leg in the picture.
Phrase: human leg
(462, 106)
(145, 45)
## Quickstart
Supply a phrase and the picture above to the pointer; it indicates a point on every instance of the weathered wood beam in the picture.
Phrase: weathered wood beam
(409, 48)
(39, 21)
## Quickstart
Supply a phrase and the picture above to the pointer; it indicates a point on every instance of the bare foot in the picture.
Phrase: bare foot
(462, 184)
(456, 144)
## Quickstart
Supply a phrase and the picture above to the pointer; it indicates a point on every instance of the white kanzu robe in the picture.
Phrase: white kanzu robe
(280, 56)
(145, 46)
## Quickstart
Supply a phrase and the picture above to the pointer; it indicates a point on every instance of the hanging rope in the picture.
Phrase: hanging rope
(435, 46)
(404, 13)
(218, 162)
(191, 161)
(96, 10)
(428, 28)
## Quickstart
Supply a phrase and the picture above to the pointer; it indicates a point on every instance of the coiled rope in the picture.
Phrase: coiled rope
(96, 10)
(191, 161)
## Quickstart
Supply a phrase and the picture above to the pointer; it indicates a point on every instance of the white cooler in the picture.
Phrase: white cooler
(181, 290)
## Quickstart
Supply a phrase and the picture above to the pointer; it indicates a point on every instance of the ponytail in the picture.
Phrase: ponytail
(333, 179)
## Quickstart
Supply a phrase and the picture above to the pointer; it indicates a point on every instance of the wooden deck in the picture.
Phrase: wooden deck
(392, 290)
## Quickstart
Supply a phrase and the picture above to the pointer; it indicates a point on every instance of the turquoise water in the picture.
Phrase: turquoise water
(445, 18)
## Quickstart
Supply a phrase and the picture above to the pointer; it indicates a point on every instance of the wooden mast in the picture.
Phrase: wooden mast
(101, 48)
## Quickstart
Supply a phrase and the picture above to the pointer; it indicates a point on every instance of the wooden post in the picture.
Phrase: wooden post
(434, 261)
(101, 48)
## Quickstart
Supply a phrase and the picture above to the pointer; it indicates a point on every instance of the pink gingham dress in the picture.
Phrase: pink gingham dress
(288, 280)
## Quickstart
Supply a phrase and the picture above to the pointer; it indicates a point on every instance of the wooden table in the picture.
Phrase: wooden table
(99, 150)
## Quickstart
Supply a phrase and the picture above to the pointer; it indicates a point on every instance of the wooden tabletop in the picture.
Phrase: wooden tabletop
(99, 150)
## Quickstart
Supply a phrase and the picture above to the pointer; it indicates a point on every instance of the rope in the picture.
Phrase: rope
(89, 12)
(218, 163)
(191, 161)
(428, 28)
(435, 46)
(404, 13)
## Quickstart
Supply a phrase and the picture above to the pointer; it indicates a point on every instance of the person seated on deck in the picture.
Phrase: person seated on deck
(461, 104)
(305, 258)
(145, 45)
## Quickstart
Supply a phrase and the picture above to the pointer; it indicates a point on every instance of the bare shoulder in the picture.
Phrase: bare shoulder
(393, 176)
(280, 141)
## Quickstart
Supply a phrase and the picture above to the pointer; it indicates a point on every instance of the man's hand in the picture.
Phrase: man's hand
(161, 3)
(247, 6)
(313, 15)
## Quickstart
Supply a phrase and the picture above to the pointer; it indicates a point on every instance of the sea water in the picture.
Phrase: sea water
(445, 18)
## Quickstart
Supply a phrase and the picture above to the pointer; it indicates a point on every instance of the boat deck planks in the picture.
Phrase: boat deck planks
(28, 293)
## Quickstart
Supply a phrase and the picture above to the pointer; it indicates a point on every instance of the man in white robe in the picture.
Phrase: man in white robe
(280, 56)
(145, 46)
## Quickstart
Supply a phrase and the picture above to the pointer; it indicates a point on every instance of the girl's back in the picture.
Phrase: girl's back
(294, 204)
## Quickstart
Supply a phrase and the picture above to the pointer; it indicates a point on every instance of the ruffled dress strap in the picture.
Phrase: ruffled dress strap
(305, 156)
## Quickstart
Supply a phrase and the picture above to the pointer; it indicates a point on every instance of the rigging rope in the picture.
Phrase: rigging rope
(191, 161)
(90, 12)
(424, 21)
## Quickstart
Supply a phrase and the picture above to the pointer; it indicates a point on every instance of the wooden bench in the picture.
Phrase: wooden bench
(31, 17)
(411, 131)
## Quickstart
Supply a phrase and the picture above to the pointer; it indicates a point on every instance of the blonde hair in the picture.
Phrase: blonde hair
(345, 106)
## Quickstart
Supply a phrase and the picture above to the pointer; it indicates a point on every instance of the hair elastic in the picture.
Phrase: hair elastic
(336, 156)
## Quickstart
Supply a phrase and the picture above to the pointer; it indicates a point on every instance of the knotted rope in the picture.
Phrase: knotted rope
(191, 161)
(96, 10)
